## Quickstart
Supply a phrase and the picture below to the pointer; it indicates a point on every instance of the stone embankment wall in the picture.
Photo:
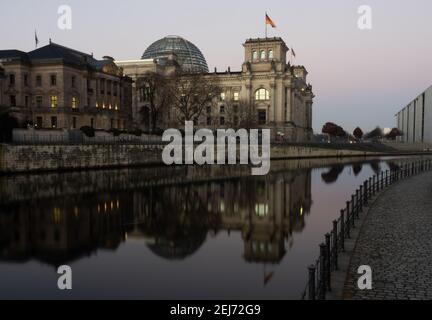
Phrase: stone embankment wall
(34, 158)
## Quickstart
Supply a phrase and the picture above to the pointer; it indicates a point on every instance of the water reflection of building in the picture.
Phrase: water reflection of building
(174, 221)
(56, 232)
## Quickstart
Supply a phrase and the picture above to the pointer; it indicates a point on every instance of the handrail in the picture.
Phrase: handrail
(320, 273)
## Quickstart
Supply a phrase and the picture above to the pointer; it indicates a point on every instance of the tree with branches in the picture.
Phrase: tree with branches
(192, 94)
(155, 89)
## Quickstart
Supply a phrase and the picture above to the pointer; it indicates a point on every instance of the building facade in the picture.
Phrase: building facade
(277, 93)
(415, 120)
(60, 88)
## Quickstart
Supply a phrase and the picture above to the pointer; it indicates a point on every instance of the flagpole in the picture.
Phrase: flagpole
(266, 25)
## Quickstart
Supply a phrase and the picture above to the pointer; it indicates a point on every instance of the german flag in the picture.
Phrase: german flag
(269, 21)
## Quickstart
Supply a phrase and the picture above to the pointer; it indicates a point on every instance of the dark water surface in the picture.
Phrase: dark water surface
(172, 233)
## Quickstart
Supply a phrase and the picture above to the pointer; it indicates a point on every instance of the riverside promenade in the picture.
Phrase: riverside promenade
(396, 242)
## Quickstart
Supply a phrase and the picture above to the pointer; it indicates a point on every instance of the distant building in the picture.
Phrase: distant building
(2, 77)
(61, 88)
(277, 92)
(415, 120)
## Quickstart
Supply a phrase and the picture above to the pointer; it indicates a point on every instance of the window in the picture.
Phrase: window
(74, 123)
(222, 110)
(26, 80)
(38, 81)
(222, 121)
(73, 82)
(223, 96)
(209, 110)
(53, 101)
(271, 55)
(236, 108)
(74, 102)
(255, 55)
(263, 55)
(102, 86)
(262, 95)
(92, 122)
(262, 117)
(209, 121)
(26, 101)
(12, 79)
(112, 123)
(13, 101)
(53, 80)
(236, 96)
(39, 122)
(39, 101)
(53, 122)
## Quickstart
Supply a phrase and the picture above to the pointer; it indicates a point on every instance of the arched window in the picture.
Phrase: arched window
(263, 55)
(255, 55)
(271, 54)
(262, 95)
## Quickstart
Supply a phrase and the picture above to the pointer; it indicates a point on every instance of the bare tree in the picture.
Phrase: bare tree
(157, 93)
(192, 94)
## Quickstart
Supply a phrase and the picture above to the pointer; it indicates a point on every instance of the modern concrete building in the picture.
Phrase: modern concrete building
(61, 88)
(415, 120)
(277, 92)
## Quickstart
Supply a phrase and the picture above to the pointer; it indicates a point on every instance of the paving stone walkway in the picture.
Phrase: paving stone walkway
(396, 241)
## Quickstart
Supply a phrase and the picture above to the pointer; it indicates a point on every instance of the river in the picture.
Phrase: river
(172, 233)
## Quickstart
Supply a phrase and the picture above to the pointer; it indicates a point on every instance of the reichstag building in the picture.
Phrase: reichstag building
(277, 92)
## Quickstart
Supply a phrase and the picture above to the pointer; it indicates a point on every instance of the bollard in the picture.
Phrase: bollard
(335, 245)
(328, 261)
(312, 293)
(322, 279)
(342, 231)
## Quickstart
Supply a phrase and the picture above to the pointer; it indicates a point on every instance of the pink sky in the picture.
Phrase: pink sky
(359, 77)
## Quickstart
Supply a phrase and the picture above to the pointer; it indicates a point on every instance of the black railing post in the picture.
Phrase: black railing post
(382, 180)
(387, 179)
(365, 193)
(361, 199)
(353, 212)
(357, 204)
(348, 225)
(335, 245)
(312, 292)
(370, 189)
(342, 231)
(328, 261)
(322, 278)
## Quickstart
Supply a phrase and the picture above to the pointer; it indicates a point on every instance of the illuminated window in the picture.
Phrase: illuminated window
(74, 102)
(262, 95)
(53, 100)
(236, 96)
(255, 55)
(222, 96)
(271, 55)
(261, 210)
(263, 55)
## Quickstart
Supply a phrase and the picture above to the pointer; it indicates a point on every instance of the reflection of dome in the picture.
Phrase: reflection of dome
(189, 56)
(178, 249)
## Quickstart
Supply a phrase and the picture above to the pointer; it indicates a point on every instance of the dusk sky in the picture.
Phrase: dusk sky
(360, 78)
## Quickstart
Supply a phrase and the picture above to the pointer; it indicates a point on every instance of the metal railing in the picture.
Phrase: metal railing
(320, 273)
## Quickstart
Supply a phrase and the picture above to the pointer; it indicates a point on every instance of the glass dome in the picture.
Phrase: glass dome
(189, 56)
